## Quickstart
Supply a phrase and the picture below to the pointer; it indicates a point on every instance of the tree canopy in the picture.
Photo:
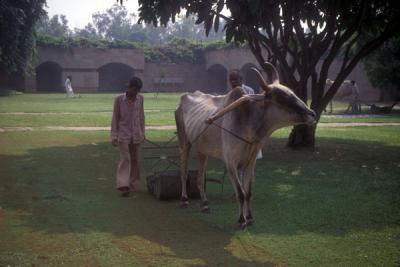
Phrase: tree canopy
(56, 26)
(17, 22)
(116, 23)
(302, 37)
(383, 67)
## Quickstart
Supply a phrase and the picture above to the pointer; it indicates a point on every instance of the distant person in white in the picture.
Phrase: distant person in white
(68, 88)
(236, 80)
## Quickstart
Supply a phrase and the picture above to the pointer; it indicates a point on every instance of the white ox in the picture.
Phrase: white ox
(233, 128)
(347, 92)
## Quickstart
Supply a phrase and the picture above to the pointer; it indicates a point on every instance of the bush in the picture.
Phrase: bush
(176, 50)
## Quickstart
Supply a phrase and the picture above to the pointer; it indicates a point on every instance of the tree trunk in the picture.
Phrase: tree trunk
(302, 136)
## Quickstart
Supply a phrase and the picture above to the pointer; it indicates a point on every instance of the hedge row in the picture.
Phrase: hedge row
(176, 50)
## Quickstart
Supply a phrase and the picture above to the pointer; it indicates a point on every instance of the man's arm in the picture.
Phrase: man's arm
(233, 105)
(142, 119)
(114, 121)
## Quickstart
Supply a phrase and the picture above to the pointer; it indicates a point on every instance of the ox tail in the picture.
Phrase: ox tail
(180, 127)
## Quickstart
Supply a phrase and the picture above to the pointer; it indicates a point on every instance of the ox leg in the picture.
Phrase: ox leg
(202, 163)
(348, 108)
(247, 182)
(233, 175)
(184, 173)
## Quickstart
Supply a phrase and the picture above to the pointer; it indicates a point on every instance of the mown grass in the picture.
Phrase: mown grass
(94, 119)
(87, 103)
(387, 118)
(153, 118)
(95, 110)
(336, 206)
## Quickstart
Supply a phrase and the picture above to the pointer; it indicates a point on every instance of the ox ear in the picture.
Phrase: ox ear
(261, 81)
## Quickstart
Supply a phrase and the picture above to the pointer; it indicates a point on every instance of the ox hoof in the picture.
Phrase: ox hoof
(184, 204)
(243, 226)
(205, 209)
(250, 222)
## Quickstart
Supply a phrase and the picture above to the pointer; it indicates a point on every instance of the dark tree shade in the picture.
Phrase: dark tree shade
(295, 35)
(383, 67)
(17, 23)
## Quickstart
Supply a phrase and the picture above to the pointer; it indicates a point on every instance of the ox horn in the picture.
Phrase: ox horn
(261, 80)
(272, 70)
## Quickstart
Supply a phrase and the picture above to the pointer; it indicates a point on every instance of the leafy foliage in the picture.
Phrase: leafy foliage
(70, 42)
(295, 34)
(17, 20)
(117, 23)
(383, 66)
(116, 28)
(56, 26)
(176, 50)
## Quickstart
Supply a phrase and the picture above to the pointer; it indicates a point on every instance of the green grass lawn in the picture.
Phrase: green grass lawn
(336, 206)
(79, 119)
(87, 103)
(95, 110)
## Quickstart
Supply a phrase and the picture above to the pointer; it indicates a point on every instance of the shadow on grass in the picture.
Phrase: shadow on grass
(344, 186)
(340, 188)
(64, 190)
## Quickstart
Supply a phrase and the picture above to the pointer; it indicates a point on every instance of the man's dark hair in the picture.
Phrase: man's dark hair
(136, 82)
(235, 74)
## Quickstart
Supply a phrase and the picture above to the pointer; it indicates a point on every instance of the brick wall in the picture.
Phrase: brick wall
(83, 64)
(169, 77)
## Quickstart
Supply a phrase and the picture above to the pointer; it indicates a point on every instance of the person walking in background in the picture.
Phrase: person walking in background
(236, 79)
(127, 133)
(68, 88)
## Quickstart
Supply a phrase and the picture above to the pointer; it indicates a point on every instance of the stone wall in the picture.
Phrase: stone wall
(169, 77)
(83, 64)
(230, 58)
(367, 92)
(83, 81)
(90, 58)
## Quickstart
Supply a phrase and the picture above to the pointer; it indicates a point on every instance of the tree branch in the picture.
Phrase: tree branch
(364, 51)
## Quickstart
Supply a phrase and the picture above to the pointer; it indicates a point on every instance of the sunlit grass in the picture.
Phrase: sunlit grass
(336, 206)
(87, 102)
(96, 110)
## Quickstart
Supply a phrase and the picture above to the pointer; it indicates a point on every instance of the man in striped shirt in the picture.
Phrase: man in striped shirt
(127, 133)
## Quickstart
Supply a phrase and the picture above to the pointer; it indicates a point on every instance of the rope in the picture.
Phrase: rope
(222, 128)
(197, 137)
(233, 134)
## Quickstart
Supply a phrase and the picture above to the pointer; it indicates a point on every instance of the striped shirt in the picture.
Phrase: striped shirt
(127, 123)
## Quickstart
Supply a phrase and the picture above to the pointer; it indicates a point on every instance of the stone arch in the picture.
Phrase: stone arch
(217, 79)
(249, 77)
(115, 76)
(48, 77)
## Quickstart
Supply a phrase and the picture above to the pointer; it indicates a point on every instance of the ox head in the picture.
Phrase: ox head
(281, 102)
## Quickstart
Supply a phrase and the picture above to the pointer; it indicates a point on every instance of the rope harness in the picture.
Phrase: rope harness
(247, 162)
